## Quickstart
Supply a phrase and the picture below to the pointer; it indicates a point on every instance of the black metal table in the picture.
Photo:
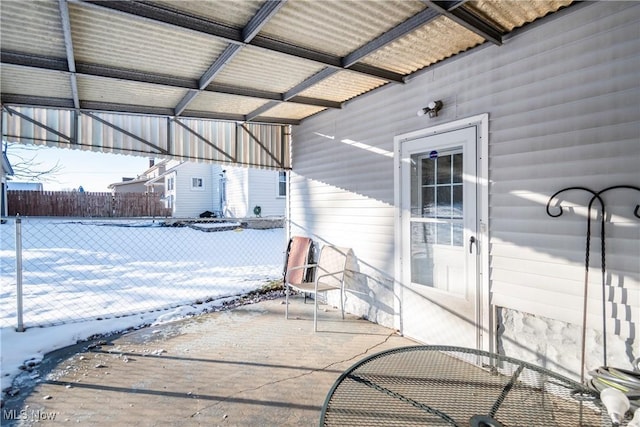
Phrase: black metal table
(454, 386)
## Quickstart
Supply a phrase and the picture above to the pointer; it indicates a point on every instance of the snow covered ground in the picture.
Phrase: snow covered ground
(83, 278)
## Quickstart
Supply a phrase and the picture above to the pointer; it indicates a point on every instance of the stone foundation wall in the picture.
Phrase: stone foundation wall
(556, 345)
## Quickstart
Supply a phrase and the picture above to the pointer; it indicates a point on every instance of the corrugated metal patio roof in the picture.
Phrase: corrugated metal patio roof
(273, 61)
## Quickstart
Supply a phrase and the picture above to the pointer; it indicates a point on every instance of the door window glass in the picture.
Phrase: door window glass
(437, 194)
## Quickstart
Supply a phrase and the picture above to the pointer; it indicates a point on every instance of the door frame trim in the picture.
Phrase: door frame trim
(484, 317)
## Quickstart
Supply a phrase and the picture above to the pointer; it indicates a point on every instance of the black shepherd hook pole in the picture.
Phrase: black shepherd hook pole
(586, 268)
(595, 196)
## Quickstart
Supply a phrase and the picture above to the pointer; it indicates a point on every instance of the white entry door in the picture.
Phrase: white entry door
(439, 238)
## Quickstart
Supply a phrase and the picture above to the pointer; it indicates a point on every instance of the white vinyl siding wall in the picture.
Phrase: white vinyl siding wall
(189, 201)
(564, 107)
(250, 187)
(263, 192)
(237, 192)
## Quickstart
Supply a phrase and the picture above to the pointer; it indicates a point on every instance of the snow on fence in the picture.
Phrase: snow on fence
(81, 204)
(81, 269)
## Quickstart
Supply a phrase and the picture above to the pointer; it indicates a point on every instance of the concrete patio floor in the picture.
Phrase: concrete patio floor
(243, 367)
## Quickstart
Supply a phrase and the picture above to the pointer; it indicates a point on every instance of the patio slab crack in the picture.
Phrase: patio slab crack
(294, 377)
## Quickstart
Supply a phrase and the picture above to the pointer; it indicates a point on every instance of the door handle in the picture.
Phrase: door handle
(472, 240)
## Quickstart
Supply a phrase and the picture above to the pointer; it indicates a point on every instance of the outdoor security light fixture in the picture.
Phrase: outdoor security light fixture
(431, 109)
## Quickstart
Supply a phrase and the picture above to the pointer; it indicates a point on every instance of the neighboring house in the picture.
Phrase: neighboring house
(25, 186)
(129, 185)
(447, 214)
(138, 185)
(191, 189)
(251, 190)
(5, 171)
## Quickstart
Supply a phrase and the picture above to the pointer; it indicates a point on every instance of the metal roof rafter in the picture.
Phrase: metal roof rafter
(114, 107)
(249, 36)
(186, 100)
(226, 56)
(393, 34)
(170, 17)
(319, 76)
(234, 36)
(268, 9)
(238, 118)
(255, 113)
(93, 70)
(463, 17)
(68, 44)
(36, 101)
(291, 95)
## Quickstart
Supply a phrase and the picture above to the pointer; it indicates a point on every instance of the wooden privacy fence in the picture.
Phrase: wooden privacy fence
(77, 204)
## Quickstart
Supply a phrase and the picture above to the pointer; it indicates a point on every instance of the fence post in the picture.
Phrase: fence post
(20, 327)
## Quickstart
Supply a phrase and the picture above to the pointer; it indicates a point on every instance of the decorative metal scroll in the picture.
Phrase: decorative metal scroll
(596, 196)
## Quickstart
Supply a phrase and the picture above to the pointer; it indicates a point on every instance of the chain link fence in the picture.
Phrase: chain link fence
(56, 271)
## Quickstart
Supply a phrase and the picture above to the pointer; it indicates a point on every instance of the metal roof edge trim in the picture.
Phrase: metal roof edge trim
(100, 107)
(45, 102)
(57, 104)
(272, 139)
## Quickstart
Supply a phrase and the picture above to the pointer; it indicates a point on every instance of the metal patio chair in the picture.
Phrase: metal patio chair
(299, 253)
(328, 275)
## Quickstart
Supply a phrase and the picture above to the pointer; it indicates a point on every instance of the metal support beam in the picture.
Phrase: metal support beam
(230, 35)
(266, 12)
(255, 113)
(36, 101)
(35, 61)
(68, 43)
(395, 33)
(244, 91)
(63, 103)
(268, 9)
(169, 17)
(238, 118)
(319, 76)
(224, 58)
(314, 101)
(170, 136)
(101, 71)
(125, 108)
(325, 59)
(205, 140)
(75, 126)
(94, 70)
(182, 105)
(463, 17)
(126, 132)
(37, 123)
(266, 150)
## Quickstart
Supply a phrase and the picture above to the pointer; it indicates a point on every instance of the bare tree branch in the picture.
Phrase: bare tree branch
(25, 164)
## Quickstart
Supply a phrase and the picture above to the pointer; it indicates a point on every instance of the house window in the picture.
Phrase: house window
(170, 184)
(282, 184)
(197, 184)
